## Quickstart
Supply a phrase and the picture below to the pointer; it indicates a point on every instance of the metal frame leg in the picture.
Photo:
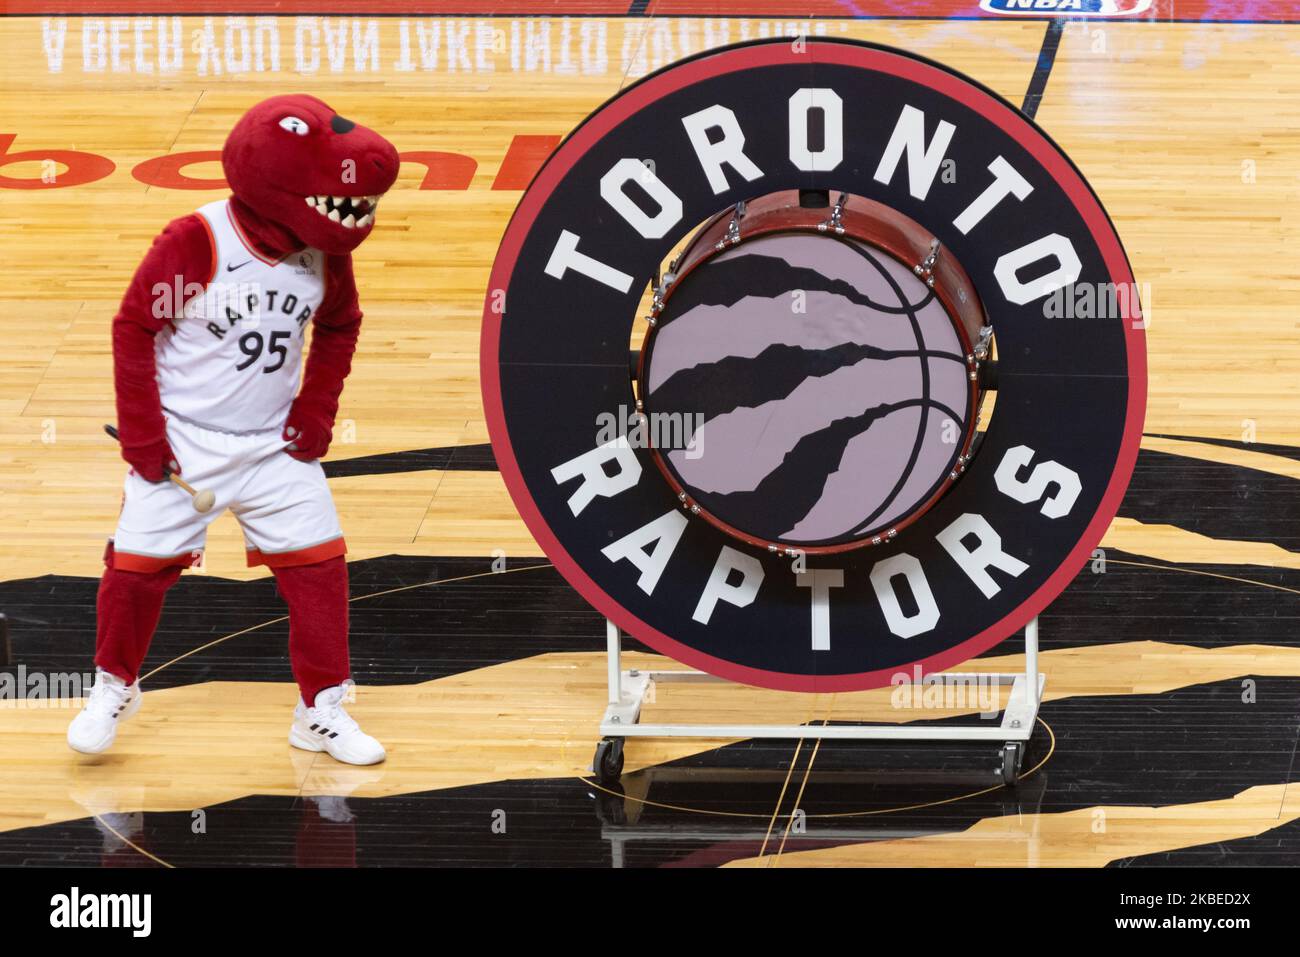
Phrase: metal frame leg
(628, 691)
(614, 645)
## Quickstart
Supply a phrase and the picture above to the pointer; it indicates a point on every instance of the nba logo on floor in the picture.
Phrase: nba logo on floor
(1073, 8)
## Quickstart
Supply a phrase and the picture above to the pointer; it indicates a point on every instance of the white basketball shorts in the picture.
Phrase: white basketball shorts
(283, 505)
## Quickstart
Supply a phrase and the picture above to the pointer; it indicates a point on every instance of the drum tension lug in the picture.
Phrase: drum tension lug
(836, 222)
(925, 268)
(733, 227)
(661, 286)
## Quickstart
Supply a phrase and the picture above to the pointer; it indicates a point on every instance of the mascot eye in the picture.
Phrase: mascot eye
(294, 125)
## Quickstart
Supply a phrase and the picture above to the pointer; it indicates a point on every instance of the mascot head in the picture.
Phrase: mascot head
(296, 162)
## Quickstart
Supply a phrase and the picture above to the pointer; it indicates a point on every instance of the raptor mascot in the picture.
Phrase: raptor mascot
(207, 365)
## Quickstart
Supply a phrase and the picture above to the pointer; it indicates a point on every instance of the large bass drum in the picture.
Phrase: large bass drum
(813, 372)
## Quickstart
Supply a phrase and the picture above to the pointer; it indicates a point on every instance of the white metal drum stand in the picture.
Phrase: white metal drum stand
(628, 691)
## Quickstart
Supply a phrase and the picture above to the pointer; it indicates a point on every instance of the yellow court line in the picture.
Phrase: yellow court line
(377, 594)
(1195, 571)
(776, 810)
(131, 844)
(781, 797)
(798, 798)
(1051, 749)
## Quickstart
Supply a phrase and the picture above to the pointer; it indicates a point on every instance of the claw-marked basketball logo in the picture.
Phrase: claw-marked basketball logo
(895, 454)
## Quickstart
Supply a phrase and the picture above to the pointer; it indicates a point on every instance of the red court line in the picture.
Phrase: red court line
(1223, 11)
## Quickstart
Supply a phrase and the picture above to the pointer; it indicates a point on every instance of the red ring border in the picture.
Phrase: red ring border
(989, 106)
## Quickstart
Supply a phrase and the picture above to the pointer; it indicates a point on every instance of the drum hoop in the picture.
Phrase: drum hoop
(974, 393)
(857, 209)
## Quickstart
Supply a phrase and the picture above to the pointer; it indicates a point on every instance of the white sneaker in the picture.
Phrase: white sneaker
(327, 727)
(111, 702)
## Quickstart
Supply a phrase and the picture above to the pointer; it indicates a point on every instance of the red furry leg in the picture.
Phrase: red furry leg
(127, 611)
(317, 596)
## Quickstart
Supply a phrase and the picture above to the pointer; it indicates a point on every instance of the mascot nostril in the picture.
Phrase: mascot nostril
(294, 162)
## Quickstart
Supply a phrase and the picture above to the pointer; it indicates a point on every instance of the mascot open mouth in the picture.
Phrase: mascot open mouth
(292, 143)
(351, 212)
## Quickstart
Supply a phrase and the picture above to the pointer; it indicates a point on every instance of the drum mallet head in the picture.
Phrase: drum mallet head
(202, 499)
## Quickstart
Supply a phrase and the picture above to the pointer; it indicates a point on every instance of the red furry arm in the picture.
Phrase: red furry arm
(335, 328)
(179, 259)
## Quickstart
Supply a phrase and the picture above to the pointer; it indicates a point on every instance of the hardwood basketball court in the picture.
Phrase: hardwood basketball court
(1173, 707)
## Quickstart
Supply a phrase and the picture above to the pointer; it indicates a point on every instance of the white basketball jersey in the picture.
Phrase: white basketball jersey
(232, 361)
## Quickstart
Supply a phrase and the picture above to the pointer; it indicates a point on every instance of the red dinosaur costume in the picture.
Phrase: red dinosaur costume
(211, 381)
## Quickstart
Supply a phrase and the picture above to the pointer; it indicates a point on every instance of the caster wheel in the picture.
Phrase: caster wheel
(608, 762)
(1013, 753)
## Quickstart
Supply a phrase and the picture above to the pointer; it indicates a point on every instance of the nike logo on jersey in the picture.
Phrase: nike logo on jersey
(230, 268)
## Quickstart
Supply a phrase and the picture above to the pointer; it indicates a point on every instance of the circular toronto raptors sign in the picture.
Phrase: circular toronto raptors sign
(861, 425)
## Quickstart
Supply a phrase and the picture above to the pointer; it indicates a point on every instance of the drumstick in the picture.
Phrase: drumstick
(203, 499)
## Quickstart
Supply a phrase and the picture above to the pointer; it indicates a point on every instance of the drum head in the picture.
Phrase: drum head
(807, 390)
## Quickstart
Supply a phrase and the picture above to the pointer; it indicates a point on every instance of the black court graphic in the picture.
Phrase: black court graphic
(690, 142)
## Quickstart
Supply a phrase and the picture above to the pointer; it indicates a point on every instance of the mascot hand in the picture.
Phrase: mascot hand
(308, 432)
(152, 461)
